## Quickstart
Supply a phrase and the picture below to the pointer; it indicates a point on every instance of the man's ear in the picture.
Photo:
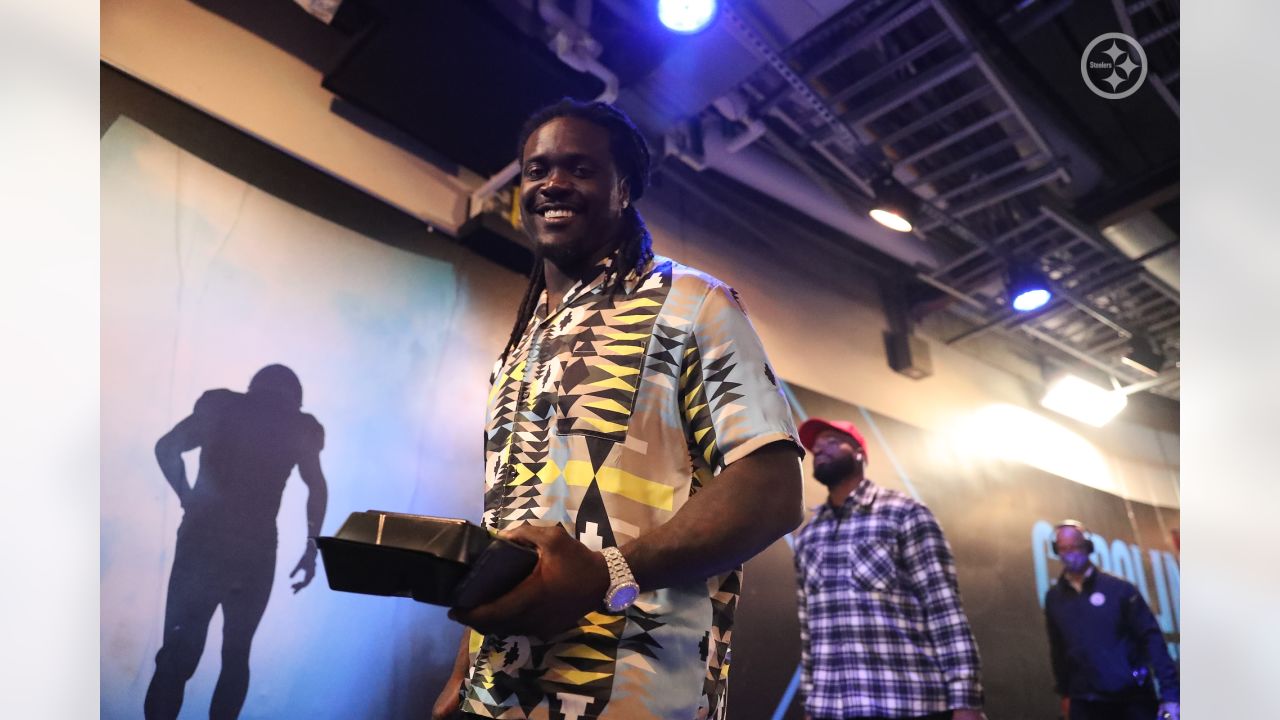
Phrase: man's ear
(624, 191)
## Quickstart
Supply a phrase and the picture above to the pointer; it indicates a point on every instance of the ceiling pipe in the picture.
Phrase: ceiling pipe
(1164, 378)
(576, 48)
(734, 107)
(1136, 236)
(841, 134)
(770, 176)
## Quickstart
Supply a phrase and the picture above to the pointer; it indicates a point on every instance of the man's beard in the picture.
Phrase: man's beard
(562, 255)
(835, 471)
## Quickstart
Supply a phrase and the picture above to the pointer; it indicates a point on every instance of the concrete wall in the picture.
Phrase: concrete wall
(235, 76)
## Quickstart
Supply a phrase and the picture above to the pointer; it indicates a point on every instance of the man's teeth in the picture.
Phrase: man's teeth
(555, 213)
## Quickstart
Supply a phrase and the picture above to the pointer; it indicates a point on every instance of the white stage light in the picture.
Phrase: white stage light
(891, 219)
(1084, 401)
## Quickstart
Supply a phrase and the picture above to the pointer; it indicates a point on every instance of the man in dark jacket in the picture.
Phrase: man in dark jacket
(1103, 640)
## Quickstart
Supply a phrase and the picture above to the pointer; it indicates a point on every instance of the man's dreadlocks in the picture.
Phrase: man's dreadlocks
(631, 158)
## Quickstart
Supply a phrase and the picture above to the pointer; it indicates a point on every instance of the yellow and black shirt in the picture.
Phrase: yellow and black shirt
(606, 418)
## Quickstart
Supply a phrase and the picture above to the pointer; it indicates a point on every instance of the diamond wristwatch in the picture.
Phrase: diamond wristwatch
(623, 589)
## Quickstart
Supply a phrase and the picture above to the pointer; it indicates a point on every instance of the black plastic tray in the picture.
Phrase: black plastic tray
(442, 561)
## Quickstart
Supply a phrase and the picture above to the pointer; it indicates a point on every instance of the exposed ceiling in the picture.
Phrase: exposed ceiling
(977, 108)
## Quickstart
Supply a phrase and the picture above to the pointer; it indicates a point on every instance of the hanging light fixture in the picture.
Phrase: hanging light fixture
(686, 16)
(1028, 288)
(1080, 399)
(894, 205)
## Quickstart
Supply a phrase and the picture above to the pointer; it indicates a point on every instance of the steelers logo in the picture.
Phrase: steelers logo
(1114, 66)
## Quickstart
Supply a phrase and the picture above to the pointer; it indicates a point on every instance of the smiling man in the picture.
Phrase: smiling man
(634, 434)
(883, 634)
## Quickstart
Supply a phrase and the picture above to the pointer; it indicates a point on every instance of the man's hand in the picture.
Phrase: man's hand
(967, 714)
(307, 566)
(569, 581)
(448, 705)
(1168, 711)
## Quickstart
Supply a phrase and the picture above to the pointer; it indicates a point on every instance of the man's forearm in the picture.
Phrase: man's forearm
(448, 702)
(463, 659)
(948, 627)
(317, 501)
(752, 503)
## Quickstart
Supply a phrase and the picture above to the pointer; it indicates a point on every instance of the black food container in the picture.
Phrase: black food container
(434, 560)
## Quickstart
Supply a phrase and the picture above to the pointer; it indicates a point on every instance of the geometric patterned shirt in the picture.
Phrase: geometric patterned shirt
(882, 630)
(606, 418)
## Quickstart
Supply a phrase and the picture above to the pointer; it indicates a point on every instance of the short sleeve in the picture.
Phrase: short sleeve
(730, 398)
(214, 403)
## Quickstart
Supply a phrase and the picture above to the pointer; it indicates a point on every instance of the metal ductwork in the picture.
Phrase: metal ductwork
(1138, 235)
(761, 171)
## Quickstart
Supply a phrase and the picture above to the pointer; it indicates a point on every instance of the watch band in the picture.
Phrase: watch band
(623, 588)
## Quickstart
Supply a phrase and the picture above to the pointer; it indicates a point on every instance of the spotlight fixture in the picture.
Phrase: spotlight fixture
(1144, 356)
(686, 16)
(1028, 288)
(1082, 400)
(894, 206)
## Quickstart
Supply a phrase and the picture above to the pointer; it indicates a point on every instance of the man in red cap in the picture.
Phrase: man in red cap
(883, 633)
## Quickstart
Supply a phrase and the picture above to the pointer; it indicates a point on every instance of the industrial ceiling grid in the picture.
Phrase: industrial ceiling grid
(924, 101)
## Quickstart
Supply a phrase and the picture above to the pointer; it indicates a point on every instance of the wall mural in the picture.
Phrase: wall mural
(221, 304)
(295, 371)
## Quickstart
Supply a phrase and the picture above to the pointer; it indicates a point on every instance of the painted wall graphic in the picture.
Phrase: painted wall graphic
(277, 358)
(225, 555)
(296, 371)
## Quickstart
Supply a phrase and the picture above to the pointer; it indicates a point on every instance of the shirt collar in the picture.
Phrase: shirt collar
(862, 497)
(592, 283)
(865, 493)
(1089, 574)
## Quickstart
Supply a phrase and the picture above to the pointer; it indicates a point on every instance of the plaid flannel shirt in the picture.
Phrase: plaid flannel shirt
(882, 629)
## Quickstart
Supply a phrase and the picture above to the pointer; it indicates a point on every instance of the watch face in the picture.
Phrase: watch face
(621, 598)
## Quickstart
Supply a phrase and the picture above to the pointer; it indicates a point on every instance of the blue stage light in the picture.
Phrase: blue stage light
(686, 16)
(1028, 288)
(1031, 299)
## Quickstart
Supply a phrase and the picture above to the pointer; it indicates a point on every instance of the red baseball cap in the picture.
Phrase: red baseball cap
(810, 428)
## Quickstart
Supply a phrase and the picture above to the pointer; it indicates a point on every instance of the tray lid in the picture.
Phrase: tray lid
(446, 538)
